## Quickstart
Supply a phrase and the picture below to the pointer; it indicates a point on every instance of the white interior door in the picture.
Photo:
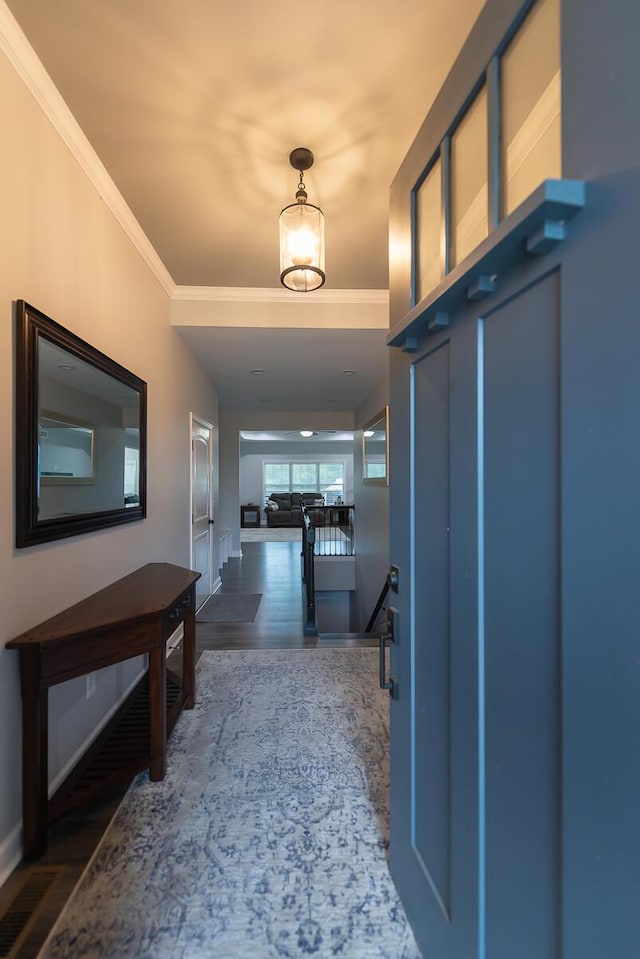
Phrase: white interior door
(201, 506)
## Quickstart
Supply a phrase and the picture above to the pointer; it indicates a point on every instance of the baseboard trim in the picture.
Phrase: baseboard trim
(62, 773)
(10, 853)
(11, 845)
(217, 585)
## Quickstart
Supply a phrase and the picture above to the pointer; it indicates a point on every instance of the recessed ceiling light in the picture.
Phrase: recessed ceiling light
(256, 372)
(348, 372)
(368, 433)
(307, 433)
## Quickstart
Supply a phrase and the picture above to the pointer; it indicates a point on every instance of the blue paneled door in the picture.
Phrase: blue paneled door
(475, 742)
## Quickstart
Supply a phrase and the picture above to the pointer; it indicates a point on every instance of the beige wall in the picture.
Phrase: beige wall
(62, 250)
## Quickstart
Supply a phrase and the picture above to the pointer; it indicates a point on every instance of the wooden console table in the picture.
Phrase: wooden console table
(134, 616)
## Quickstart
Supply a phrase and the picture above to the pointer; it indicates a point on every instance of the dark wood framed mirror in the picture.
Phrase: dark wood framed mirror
(81, 434)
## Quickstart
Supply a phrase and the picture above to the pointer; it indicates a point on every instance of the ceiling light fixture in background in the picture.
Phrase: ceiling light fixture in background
(307, 433)
(301, 235)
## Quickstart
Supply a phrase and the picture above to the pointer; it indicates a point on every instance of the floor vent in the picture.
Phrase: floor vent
(19, 914)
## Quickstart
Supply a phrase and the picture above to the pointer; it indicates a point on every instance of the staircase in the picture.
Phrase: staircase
(329, 578)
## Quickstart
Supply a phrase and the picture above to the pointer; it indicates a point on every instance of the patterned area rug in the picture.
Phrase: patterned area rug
(267, 837)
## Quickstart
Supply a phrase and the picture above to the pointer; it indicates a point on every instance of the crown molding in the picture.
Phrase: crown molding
(24, 60)
(239, 294)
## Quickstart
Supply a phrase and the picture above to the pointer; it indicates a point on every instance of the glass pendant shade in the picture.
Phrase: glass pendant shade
(302, 247)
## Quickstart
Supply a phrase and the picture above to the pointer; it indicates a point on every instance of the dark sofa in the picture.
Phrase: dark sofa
(287, 508)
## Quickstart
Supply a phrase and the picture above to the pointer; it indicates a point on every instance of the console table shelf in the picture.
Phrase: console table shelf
(132, 617)
(119, 752)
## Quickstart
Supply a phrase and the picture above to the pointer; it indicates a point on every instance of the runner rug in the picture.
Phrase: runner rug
(267, 837)
(230, 608)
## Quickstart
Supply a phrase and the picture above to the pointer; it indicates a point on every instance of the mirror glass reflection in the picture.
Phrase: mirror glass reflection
(88, 437)
(375, 449)
(66, 449)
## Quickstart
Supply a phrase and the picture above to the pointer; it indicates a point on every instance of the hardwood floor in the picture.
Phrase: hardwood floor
(272, 569)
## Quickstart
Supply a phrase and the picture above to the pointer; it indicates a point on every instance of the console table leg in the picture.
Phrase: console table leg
(35, 760)
(157, 713)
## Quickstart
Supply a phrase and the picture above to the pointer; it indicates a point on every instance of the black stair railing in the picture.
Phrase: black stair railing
(390, 582)
(379, 605)
(326, 531)
(335, 529)
(310, 538)
(309, 623)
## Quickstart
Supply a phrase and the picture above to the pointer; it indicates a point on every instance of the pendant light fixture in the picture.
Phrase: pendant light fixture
(301, 235)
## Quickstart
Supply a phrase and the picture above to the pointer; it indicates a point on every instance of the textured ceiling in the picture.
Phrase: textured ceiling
(193, 108)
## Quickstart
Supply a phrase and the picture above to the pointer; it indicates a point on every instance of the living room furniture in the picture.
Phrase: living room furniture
(249, 516)
(287, 507)
(284, 509)
(134, 616)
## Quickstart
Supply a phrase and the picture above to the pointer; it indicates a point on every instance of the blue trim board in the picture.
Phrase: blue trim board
(494, 192)
(482, 784)
(526, 231)
(414, 243)
(412, 602)
(445, 226)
